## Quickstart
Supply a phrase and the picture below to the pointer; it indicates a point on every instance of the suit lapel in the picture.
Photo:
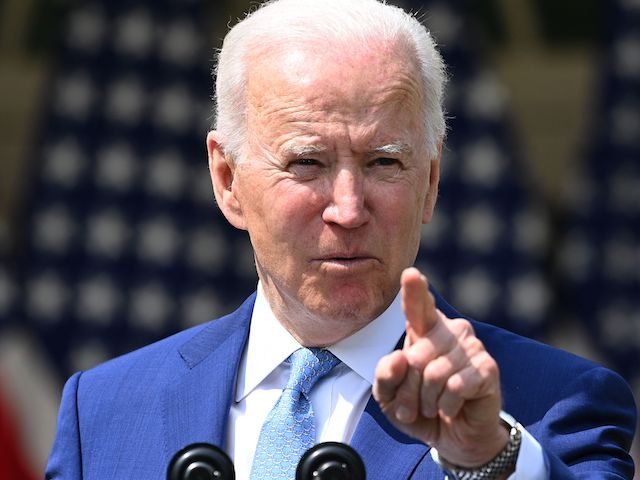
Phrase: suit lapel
(387, 452)
(196, 403)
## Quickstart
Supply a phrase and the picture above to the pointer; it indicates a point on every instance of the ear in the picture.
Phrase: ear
(222, 170)
(434, 180)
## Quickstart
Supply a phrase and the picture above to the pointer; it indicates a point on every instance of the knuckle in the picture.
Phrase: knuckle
(420, 353)
(431, 376)
(437, 371)
(474, 346)
(493, 371)
(487, 374)
(462, 328)
(456, 385)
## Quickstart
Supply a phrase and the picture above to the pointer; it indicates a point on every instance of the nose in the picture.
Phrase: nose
(348, 206)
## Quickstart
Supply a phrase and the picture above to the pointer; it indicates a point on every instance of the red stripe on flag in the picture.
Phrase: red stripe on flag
(13, 464)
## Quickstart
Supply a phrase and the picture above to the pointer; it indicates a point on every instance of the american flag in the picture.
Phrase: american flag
(485, 248)
(599, 259)
(123, 243)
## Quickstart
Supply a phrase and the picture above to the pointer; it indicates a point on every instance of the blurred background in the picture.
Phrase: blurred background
(110, 237)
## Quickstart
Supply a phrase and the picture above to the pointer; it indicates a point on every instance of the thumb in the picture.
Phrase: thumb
(418, 305)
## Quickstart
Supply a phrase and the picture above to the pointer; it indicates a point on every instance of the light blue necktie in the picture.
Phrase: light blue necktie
(290, 429)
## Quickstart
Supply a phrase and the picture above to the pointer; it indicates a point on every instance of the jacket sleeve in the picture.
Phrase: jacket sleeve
(65, 460)
(590, 430)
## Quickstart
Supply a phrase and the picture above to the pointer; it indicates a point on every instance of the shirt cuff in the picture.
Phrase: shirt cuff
(531, 464)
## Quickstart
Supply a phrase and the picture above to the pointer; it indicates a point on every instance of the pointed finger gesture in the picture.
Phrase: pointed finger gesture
(442, 387)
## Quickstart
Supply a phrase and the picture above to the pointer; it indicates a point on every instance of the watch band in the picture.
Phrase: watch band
(492, 470)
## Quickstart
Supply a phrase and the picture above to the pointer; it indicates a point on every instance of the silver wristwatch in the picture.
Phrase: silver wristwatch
(501, 463)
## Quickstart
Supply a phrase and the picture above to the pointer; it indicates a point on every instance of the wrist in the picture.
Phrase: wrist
(498, 467)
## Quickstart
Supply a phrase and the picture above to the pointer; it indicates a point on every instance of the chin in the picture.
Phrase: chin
(337, 324)
(350, 305)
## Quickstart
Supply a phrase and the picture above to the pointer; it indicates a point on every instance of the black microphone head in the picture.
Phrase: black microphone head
(201, 461)
(331, 461)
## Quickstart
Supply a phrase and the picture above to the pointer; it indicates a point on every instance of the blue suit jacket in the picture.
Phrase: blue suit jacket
(126, 418)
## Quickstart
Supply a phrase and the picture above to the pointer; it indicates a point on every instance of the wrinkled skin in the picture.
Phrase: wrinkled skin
(333, 187)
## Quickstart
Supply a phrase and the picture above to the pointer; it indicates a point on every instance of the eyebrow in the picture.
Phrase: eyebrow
(303, 150)
(393, 149)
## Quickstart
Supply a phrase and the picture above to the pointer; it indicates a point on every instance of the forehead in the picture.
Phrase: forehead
(308, 84)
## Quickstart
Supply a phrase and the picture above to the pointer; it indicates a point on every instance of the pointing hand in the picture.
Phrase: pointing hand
(442, 387)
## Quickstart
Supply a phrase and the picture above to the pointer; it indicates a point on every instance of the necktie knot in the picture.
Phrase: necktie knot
(308, 365)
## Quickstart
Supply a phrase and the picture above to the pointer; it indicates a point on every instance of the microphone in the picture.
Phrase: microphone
(331, 461)
(201, 461)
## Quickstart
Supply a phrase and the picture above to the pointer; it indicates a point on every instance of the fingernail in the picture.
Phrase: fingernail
(403, 414)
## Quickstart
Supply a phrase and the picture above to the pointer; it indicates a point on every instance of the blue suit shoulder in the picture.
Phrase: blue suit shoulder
(135, 382)
(124, 418)
(187, 346)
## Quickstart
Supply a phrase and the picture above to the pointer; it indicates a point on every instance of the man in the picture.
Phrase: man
(326, 151)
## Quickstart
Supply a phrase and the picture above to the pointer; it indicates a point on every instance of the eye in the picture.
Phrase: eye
(305, 162)
(385, 162)
(305, 168)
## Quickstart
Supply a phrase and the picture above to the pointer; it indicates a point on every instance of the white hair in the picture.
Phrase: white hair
(278, 23)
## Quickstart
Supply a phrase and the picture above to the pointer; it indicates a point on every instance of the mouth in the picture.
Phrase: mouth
(346, 262)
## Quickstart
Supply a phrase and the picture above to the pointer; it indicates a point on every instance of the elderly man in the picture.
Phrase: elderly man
(326, 151)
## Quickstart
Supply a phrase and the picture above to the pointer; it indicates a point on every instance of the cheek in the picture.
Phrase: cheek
(283, 214)
(295, 209)
(402, 202)
(400, 215)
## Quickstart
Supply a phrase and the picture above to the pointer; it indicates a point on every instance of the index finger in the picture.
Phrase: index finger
(418, 304)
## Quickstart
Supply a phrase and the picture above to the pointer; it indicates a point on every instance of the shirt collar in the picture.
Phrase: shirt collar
(362, 350)
(270, 344)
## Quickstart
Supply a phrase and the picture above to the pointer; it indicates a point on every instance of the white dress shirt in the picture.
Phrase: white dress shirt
(338, 399)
